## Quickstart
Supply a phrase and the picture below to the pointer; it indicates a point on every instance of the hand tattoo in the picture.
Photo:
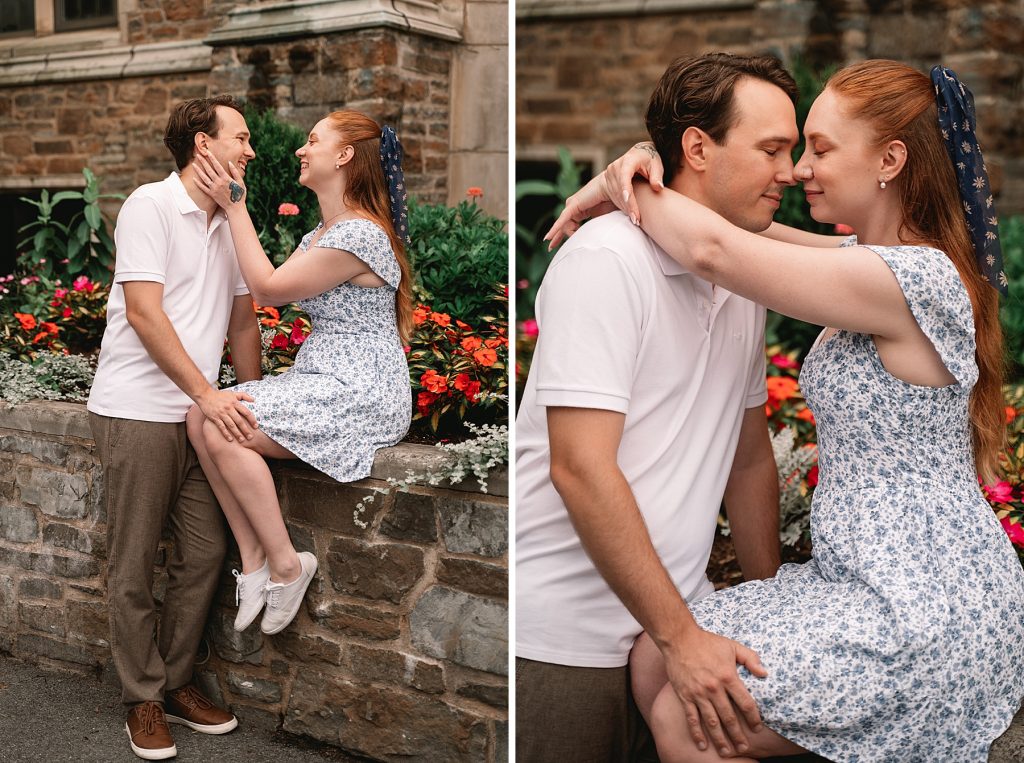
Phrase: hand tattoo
(237, 192)
(647, 146)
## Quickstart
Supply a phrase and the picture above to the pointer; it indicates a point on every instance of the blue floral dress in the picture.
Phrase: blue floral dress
(348, 393)
(903, 639)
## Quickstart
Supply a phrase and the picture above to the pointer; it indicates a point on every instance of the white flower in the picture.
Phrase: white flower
(967, 208)
(979, 183)
(988, 202)
(991, 259)
(961, 166)
(990, 236)
(1002, 279)
(966, 147)
(993, 221)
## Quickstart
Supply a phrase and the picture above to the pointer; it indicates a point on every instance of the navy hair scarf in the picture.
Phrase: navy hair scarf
(391, 163)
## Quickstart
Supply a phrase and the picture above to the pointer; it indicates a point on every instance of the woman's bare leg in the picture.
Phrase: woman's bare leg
(249, 546)
(664, 713)
(242, 468)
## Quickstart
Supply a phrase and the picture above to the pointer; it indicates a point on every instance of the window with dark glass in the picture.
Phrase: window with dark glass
(17, 17)
(84, 14)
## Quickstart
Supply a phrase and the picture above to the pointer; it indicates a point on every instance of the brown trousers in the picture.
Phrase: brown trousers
(151, 475)
(578, 715)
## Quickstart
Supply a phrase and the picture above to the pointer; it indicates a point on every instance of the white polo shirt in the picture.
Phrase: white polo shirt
(623, 327)
(161, 236)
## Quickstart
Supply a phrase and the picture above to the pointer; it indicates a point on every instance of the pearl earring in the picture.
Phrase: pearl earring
(881, 184)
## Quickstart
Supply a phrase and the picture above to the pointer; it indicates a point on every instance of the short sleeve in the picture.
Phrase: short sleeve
(590, 316)
(939, 303)
(367, 241)
(757, 386)
(141, 242)
(240, 287)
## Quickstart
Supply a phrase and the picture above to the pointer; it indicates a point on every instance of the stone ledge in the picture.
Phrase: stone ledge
(536, 9)
(106, 63)
(281, 20)
(64, 419)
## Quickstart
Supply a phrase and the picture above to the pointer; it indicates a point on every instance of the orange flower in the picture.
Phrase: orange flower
(496, 343)
(434, 382)
(781, 388)
(474, 192)
(28, 322)
(40, 335)
(472, 390)
(471, 343)
(485, 356)
(49, 328)
(423, 402)
(273, 317)
(420, 314)
(806, 415)
(1011, 414)
(441, 319)
(463, 326)
(461, 382)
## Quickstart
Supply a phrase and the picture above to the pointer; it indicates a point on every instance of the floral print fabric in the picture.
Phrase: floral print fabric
(348, 393)
(903, 638)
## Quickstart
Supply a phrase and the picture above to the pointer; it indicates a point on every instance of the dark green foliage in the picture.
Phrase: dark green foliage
(532, 256)
(272, 178)
(1011, 236)
(457, 254)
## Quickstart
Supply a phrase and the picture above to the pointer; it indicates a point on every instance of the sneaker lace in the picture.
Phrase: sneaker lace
(149, 713)
(273, 594)
(192, 698)
(239, 586)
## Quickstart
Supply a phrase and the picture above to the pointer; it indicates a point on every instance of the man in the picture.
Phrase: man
(177, 293)
(643, 409)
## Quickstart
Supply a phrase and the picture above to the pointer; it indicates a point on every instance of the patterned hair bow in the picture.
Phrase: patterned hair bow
(958, 122)
(391, 162)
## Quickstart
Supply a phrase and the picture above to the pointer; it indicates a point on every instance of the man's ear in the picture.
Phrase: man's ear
(694, 143)
(201, 141)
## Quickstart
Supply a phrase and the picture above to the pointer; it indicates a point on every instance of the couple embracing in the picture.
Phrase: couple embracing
(903, 638)
(173, 446)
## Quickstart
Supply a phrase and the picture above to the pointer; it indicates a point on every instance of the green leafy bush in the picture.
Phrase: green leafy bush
(82, 246)
(457, 255)
(1011, 236)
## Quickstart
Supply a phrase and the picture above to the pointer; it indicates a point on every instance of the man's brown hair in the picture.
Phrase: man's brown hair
(697, 91)
(191, 117)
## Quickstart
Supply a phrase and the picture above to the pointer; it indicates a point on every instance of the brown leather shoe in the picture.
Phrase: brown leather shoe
(189, 707)
(148, 733)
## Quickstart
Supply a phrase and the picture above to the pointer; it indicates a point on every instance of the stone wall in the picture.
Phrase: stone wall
(399, 651)
(584, 76)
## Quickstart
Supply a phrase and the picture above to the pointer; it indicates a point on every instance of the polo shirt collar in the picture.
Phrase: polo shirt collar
(184, 202)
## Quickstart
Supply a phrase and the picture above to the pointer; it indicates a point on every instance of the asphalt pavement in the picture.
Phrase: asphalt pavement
(51, 717)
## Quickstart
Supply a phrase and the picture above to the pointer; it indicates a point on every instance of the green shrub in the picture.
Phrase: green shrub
(272, 178)
(1011, 236)
(457, 255)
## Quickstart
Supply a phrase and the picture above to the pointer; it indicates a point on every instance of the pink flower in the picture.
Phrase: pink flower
(1001, 492)
(287, 209)
(843, 230)
(522, 283)
(60, 293)
(1014, 531)
(82, 283)
(530, 327)
(782, 361)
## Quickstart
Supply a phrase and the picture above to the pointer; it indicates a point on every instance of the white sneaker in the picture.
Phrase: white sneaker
(284, 599)
(250, 595)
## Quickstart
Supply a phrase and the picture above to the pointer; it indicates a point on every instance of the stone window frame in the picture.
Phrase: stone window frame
(64, 25)
(46, 22)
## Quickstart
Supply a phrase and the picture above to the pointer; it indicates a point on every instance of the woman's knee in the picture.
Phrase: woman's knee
(194, 425)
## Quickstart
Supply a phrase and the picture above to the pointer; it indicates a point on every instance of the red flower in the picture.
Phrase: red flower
(420, 314)
(783, 361)
(67, 312)
(406, 349)
(49, 328)
(441, 319)
(530, 327)
(1011, 414)
(28, 322)
(781, 388)
(423, 402)
(806, 415)
(1001, 492)
(485, 356)
(279, 342)
(297, 336)
(812, 476)
(461, 382)
(40, 335)
(471, 343)
(287, 209)
(474, 192)
(472, 390)
(434, 382)
(1014, 530)
(495, 343)
(463, 326)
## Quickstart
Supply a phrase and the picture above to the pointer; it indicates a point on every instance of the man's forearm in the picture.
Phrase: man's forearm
(246, 352)
(752, 503)
(606, 517)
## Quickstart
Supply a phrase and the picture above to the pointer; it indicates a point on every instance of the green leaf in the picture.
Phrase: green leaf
(92, 216)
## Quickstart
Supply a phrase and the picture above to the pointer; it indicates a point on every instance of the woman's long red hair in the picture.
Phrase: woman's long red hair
(899, 102)
(367, 191)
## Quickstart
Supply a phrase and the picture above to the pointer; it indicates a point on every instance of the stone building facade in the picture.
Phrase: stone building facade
(435, 69)
(585, 68)
(400, 651)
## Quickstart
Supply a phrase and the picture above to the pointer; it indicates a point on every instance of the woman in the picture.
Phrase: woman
(348, 393)
(903, 638)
